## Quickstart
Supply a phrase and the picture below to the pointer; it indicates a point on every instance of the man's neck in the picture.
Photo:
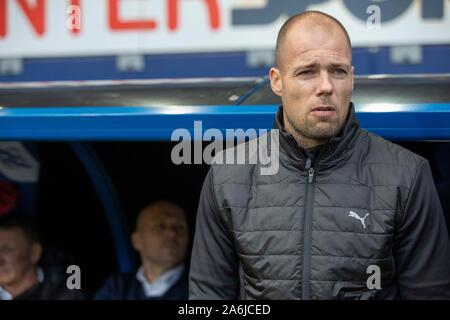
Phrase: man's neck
(153, 271)
(28, 280)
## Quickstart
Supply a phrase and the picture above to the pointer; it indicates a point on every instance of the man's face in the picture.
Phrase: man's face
(314, 80)
(162, 238)
(17, 256)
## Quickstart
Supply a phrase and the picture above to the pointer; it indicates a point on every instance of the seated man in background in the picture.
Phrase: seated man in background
(20, 276)
(161, 238)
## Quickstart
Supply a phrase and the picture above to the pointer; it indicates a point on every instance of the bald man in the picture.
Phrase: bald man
(348, 215)
(161, 239)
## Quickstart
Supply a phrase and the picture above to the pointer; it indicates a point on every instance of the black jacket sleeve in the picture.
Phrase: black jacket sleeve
(214, 266)
(112, 289)
(421, 244)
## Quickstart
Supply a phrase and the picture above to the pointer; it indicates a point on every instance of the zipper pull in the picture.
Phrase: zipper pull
(308, 164)
(310, 170)
(310, 174)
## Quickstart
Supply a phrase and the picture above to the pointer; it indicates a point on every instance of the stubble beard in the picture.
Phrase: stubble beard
(309, 134)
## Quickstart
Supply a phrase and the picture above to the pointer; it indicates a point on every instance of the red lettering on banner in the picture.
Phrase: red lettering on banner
(212, 7)
(34, 14)
(2, 18)
(115, 23)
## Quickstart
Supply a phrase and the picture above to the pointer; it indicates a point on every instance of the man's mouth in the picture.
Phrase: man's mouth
(323, 111)
(4, 271)
(171, 247)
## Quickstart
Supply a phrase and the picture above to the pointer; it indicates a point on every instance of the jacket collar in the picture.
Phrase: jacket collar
(332, 153)
(160, 286)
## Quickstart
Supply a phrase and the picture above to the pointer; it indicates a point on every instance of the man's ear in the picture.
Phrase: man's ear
(136, 241)
(36, 252)
(275, 81)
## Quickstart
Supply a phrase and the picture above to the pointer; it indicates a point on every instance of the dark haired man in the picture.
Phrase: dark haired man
(21, 278)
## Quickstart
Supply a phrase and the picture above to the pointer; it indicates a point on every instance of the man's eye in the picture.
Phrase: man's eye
(158, 227)
(305, 72)
(6, 249)
(179, 228)
(339, 71)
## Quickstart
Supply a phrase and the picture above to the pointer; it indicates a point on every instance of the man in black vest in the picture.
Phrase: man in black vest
(21, 277)
(161, 238)
(347, 215)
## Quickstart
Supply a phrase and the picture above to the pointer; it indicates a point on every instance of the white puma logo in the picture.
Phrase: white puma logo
(355, 215)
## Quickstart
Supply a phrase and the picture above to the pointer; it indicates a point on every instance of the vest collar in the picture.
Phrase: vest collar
(334, 152)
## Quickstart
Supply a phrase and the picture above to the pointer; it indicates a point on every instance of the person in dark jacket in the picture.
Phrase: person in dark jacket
(21, 278)
(347, 215)
(161, 238)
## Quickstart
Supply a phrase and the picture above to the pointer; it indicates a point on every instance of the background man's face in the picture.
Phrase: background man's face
(17, 256)
(162, 238)
(315, 80)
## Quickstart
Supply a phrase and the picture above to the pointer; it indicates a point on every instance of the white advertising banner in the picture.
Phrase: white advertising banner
(52, 28)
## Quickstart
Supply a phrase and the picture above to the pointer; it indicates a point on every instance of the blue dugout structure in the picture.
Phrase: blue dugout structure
(396, 107)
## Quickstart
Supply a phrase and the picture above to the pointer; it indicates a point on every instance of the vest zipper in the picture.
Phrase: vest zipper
(307, 227)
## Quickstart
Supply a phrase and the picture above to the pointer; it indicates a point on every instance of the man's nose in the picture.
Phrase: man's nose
(171, 232)
(325, 86)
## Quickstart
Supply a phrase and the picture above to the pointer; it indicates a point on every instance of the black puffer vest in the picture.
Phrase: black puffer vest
(312, 230)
